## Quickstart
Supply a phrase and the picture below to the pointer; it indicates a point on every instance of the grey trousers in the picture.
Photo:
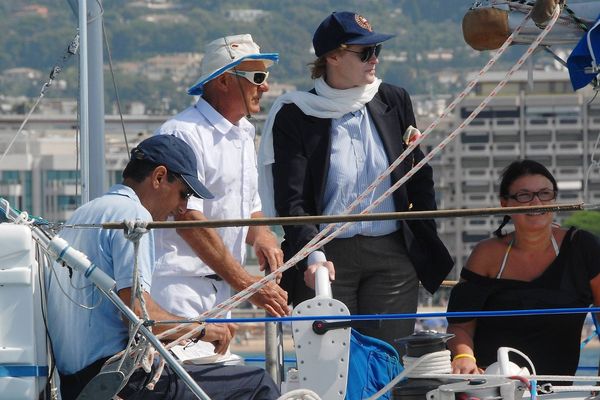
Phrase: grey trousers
(373, 275)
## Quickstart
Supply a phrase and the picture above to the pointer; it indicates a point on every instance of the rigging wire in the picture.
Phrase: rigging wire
(56, 70)
(578, 21)
(114, 80)
(42, 261)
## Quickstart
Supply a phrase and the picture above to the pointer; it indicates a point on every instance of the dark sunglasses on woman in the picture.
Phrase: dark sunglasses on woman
(366, 53)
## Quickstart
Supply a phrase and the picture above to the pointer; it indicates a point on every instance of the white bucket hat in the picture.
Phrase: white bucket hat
(225, 53)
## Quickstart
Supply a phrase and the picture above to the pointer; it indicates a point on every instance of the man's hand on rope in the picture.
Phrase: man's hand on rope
(219, 335)
(268, 252)
(272, 298)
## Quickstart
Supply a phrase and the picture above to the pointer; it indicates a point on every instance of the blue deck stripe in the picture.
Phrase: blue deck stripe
(22, 371)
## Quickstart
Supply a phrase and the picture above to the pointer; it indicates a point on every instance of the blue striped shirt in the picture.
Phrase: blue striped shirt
(357, 158)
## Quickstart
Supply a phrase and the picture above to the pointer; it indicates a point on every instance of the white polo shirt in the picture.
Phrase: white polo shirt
(227, 166)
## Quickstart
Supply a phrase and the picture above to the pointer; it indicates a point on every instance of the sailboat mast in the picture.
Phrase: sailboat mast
(84, 120)
(91, 100)
(97, 167)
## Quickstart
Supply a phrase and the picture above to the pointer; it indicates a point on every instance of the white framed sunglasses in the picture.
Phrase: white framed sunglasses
(255, 77)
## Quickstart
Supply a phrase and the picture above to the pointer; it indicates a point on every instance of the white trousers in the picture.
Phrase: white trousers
(189, 296)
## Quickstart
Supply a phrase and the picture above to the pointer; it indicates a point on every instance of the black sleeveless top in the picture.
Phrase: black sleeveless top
(551, 341)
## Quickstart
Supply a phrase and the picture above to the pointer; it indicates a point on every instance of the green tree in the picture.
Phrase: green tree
(588, 220)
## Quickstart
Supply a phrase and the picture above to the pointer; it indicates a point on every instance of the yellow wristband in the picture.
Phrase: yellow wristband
(465, 355)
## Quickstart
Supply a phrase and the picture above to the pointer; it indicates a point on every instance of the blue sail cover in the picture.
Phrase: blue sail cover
(373, 364)
(585, 55)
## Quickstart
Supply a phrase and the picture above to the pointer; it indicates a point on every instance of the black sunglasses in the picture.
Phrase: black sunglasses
(366, 53)
(526, 197)
(184, 194)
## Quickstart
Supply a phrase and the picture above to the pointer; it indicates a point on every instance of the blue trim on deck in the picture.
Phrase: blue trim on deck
(23, 371)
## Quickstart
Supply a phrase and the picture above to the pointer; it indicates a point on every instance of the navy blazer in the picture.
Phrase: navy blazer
(302, 146)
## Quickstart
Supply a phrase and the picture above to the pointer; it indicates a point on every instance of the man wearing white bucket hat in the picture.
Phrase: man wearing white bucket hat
(196, 268)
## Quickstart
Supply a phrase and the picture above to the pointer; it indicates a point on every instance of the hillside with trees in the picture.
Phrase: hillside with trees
(35, 34)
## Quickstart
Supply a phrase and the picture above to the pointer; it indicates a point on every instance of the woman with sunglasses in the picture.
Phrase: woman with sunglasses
(327, 146)
(537, 266)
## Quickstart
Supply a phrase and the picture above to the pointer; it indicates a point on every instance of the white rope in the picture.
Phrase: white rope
(578, 388)
(141, 350)
(129, 348)
(319, 240)
(157, 374)
(135, 229)
(300, 394)
(134, 232)
(439, 363)
(402, 375)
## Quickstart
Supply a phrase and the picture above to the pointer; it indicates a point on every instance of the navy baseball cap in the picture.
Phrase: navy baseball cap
(177, 156)
(344, 27)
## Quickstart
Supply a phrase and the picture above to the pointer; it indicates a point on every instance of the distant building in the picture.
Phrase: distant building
(440, 55)
(40, 172)
(21, 73)
(154, 4)
(246, 15)
(54, 106)
(177, 67)
(395, 57)
(32, 9)
(171, 18)
(448, 77)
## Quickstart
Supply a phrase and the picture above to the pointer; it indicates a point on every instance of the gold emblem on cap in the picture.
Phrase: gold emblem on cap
(363, 22)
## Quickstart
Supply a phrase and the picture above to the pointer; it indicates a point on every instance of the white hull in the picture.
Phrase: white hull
(23, 348)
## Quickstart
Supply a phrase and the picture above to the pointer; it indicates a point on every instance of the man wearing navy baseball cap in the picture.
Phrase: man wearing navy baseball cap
(157, 182)
(321, 149)
(177, 157)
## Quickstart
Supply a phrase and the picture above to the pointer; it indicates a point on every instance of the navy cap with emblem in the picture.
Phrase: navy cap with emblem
(177, 156)
(345, 27)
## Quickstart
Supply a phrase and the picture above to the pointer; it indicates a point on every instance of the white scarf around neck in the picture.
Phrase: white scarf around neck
(327, 103)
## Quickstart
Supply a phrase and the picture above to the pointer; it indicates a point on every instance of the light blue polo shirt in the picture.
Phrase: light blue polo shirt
(81, 336)
(357, 159)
